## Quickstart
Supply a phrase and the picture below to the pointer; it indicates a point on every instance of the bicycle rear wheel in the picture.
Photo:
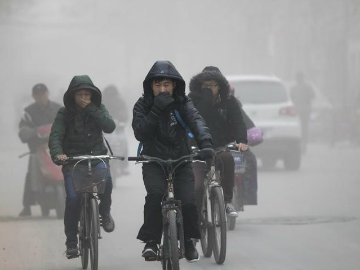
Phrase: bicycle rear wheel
(83, 243)
(205, 228)
(219, 224)
(94, 233)
(173, 241)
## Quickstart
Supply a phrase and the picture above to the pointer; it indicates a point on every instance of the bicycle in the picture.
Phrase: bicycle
(212, 217)
(89, 183)
(172, 247)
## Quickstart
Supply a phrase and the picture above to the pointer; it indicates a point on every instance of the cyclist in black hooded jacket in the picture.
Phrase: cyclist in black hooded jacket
(156, 126)
(210, 92)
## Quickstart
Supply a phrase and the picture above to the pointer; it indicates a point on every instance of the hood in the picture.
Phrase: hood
(211, 73)
(81, 82)
(163, 69)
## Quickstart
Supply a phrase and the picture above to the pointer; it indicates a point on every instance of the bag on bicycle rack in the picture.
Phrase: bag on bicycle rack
(93, 182)
(239, 162)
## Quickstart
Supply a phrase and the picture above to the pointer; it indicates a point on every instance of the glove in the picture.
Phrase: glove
(206, 95)
(162, 101)
(207, 155)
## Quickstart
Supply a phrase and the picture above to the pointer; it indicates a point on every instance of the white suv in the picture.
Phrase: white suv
(267, 102)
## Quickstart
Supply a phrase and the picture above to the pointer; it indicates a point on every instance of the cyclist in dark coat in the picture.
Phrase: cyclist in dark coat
(156, 126)
(210, 92)
(78, 130)
(41, 112)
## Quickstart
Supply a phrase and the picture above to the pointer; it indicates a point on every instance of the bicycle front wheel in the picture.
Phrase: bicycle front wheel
(94, 233)
(219, 224)
(205, 228)
(83, 243)
(173, 241)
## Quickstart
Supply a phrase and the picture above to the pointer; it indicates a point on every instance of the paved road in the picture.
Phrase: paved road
(305, 220)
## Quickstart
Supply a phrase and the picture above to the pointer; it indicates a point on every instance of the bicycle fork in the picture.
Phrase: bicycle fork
(209, 186)
(87, 212)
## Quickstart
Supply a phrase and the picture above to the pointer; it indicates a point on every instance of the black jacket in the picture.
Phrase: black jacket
(224, 116)
(161, 134)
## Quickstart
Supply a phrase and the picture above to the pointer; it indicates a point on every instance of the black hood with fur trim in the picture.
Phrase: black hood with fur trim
(81, 82)
(224, 117)
(211, 73)
(163, 69)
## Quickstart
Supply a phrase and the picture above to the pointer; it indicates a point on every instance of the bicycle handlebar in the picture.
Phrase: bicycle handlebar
(145, 158)
(91, 157)
(133, 158)
(229, 147)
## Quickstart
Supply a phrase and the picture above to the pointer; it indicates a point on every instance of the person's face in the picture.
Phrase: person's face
(41, 98)
(164, 86)
(82, 97)
(213, 85)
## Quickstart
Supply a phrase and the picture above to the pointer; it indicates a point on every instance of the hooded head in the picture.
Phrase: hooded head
(166, 70)
(81, 82)
(210, 73)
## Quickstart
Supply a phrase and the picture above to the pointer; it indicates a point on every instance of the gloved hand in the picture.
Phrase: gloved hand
(207, 155)
(162, 101)
(206, 95)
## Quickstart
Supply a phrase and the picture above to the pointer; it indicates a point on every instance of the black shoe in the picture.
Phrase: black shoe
(25, 212)
(230, 210)
(191, 253)
(72, 252)
(150, 251)
(108, 223)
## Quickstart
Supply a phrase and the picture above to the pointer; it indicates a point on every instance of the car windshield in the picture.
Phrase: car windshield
(260, 92)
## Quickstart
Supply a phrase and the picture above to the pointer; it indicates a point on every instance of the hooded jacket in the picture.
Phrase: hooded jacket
(78, 131)
(161, 134)
(223, 117)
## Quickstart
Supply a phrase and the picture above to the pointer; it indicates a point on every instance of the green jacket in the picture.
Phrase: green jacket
(79, 131)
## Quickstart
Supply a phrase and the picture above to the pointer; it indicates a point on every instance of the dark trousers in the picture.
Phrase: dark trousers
(29, 196)
(224, 162)
(73, 200)
(34, 182)
(155, 184)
